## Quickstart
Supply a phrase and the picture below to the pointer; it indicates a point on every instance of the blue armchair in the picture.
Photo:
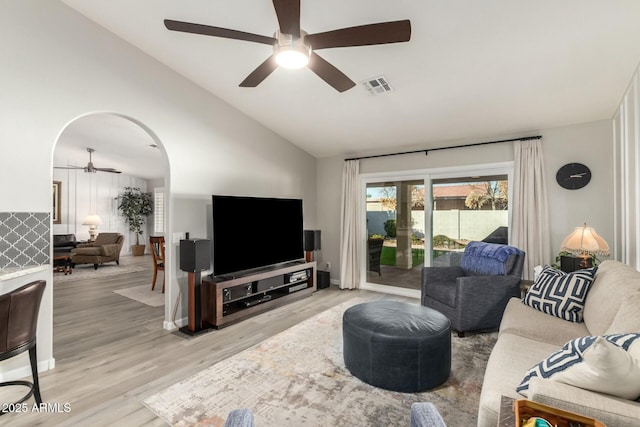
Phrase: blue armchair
(474, 294)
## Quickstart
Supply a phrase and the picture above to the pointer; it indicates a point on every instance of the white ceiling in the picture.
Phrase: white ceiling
(118, 143)
(472, 70)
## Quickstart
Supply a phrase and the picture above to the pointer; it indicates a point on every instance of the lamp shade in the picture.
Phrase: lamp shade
(92, 219)
(585, 240)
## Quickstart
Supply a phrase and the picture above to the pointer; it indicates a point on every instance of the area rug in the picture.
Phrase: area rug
(298, 378)
(86, 272)
(144, 294)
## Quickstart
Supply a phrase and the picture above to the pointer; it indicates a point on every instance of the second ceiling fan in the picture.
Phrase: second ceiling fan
(90, 168)
(294, 48)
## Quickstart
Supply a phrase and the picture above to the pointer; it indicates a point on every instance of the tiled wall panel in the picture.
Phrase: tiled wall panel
(24, 239)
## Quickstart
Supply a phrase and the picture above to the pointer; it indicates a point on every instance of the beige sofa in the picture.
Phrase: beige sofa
(527, 336)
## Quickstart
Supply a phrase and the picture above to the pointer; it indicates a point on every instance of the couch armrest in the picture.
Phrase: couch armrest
(111, 250)
(612, 411)
(425, 414)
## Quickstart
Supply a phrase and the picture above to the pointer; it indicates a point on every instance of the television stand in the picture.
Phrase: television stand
(228, 301)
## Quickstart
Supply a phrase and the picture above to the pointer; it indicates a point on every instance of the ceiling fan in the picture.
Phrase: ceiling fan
(90, 167)
(294, 48)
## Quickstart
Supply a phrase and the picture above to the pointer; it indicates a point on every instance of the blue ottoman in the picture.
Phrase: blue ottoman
(397, 345)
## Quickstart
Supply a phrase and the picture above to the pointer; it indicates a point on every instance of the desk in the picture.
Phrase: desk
(62, 263)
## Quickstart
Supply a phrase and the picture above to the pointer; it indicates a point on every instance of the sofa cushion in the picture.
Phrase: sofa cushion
(525, 321)
(613, 284)
(561, 294)
(605, 364)
(628, 316)
(88, 250)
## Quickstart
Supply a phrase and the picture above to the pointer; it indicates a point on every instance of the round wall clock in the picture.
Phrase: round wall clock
(573, 176)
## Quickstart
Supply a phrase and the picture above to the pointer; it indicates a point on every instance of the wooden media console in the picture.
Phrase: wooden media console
(229, 300)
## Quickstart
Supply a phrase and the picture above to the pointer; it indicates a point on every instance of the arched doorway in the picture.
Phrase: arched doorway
(123, 153)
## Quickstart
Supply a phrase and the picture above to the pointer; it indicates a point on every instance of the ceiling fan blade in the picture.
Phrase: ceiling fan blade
(288, 13)
(188, 27)
(363, 35)
(68, 167)
(112, 170)
(259, 74)
(329, 73)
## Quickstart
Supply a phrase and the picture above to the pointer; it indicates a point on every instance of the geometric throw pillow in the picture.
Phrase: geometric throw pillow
(603, 364)
(561, 294)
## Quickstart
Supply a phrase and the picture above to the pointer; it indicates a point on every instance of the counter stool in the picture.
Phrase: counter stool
(397, 345)
(18, 320)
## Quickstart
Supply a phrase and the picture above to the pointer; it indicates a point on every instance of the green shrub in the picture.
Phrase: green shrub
(390, 227)
(441, 240)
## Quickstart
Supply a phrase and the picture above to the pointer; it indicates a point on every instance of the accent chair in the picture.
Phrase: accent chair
(474, 294)
(105, 248)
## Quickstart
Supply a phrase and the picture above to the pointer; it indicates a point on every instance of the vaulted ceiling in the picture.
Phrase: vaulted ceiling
(472, 69)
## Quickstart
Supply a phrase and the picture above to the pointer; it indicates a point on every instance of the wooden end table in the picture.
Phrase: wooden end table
(62, 263)
(507, 416)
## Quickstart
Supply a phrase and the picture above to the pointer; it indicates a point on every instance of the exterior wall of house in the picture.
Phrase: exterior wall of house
(588, 143)
(57, 66)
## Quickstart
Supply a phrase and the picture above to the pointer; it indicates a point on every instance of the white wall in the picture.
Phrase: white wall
(588, 143)
(57, 66)
(626, 128)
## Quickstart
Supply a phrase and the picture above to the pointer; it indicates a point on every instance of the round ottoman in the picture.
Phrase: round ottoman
(397, 345)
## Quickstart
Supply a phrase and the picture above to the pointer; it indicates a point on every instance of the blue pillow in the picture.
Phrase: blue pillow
(561, 294)
(607, 364)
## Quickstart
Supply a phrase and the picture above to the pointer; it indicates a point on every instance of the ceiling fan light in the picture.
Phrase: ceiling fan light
(291, 52)
(292, 59)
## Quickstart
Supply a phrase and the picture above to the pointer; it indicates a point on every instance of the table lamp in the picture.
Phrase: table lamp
(93, 221)
(584, 243)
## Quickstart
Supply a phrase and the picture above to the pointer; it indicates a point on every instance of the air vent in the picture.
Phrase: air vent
(377, 85)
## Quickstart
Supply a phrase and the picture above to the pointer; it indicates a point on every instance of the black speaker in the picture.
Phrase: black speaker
(311, 240)
(324, 279)
(195, 254)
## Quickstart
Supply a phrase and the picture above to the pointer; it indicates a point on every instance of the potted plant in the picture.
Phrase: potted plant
(135, 206)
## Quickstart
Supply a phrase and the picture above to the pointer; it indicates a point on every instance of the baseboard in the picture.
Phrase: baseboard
(395, 290)
(25, 371)
(170, 326)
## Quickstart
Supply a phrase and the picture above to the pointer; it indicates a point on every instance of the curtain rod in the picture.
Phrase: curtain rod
(426, 150)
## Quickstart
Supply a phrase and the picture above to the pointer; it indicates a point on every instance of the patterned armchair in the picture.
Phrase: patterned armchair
(474, 294)
(105, 248)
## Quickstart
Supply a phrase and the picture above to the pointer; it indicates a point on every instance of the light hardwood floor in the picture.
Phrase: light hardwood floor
(112, 352)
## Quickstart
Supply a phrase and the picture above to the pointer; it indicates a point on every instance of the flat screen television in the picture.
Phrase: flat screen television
(254, 232)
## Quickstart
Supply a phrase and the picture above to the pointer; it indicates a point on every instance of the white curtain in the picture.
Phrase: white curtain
(349, 230)
(530, 228)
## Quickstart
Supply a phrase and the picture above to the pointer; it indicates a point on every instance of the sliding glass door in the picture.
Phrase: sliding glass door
(427, 219)
(395, 230)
